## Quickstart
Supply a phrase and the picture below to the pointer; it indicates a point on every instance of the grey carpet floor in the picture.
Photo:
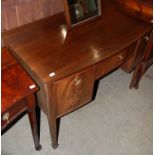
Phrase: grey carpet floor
(117, 122)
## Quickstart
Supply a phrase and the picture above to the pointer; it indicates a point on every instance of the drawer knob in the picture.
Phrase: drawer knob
(120, 57)
(77, 81)
(6, 117)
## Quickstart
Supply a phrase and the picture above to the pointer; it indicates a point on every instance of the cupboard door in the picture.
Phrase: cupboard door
(74, 91)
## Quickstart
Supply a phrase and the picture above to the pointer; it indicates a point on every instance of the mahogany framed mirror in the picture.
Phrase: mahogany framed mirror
(78, 12)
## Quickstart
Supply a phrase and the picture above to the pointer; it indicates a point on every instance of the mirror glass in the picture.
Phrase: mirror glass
(81, 10)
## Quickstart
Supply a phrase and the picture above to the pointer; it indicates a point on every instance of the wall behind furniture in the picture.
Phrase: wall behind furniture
(15, 13)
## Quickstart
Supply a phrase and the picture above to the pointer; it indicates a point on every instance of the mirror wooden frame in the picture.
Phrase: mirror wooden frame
(68, 15)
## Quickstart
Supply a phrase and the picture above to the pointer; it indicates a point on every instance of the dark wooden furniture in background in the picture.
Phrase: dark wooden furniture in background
(138, 53)
(143, 54)
(142, 9)
(66, 65)
(18, 95)
(145, 63)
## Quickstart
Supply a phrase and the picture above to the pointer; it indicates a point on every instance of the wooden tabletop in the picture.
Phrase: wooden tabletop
(45, 47)
(7, 59)
(15, 83)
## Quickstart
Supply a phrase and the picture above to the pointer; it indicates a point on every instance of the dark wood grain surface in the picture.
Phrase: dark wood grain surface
(15, 82)
(45, 46)
(54, 57)
(6, 59)
(74, 91)
(142, 9)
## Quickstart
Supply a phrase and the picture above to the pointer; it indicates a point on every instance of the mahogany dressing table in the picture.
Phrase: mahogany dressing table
(66, 65)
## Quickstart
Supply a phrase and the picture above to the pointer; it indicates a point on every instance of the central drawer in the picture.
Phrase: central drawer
(74, 91)
(105, 66)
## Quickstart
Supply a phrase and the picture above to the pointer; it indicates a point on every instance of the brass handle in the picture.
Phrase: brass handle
(120, 57)
(6, 117)
(77, 81)
(146, 38)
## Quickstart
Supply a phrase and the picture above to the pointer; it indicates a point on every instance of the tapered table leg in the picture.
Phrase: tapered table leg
(53, 126)
(33, 121)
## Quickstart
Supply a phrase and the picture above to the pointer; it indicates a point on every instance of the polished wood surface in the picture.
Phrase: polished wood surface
(17, 95)
(74, 91)
(113, 62)
(6, 59)
(142, 9)
(15, 82)
(95, 41)
(15, 86)
(54, 57)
